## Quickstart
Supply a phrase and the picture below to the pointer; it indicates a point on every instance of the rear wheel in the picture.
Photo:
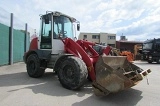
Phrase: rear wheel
(149, 61)
(72, 72)
(33, 66)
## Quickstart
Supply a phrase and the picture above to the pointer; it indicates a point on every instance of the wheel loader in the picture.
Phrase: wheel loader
(75, 61)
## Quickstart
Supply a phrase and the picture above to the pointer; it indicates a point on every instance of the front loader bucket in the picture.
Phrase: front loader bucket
(115, 73)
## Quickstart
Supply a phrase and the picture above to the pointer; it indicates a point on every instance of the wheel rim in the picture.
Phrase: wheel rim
(68, 73)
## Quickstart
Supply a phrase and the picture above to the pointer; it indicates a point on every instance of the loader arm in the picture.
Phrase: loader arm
(109, 74)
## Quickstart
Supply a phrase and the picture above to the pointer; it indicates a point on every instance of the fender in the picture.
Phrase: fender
(42, 54)
(33, 49)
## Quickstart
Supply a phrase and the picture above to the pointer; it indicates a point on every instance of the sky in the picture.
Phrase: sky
(138, 20)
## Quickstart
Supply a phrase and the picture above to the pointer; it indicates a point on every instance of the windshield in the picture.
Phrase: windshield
(62, 27)
(147, 45)
(158, 41)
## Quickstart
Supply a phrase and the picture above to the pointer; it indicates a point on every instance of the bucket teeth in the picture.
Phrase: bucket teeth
(99, 90)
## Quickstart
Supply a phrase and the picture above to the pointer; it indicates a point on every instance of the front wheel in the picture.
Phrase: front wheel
(72, 73)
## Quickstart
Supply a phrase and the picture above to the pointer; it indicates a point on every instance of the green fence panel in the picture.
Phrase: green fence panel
(4, 44)
(18, 45)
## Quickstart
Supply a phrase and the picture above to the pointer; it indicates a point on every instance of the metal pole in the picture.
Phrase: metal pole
(26, 35)
(11, 41)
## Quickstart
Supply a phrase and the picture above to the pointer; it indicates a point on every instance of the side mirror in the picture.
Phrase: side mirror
(78, 27)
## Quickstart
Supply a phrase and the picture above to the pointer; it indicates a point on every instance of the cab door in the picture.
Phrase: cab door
(46, 38)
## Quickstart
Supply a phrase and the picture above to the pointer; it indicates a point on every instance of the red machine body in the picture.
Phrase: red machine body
(80, 48)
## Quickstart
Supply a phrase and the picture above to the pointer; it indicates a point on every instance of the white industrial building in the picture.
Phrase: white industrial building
(104, 38)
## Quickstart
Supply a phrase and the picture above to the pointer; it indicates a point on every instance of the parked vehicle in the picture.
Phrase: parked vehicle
(151, 50)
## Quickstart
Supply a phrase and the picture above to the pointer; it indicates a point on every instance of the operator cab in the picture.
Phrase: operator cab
(54, 27)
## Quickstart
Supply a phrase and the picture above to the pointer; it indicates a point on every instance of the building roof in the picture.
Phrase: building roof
(88, 33)
(96, 33)
(123, 41)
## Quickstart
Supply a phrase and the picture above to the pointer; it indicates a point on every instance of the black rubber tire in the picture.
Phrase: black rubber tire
(149, 61)
(33, 66)
(72, 72)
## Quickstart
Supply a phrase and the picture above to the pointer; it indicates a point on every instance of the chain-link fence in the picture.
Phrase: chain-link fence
(14, 38)
(4, 17)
